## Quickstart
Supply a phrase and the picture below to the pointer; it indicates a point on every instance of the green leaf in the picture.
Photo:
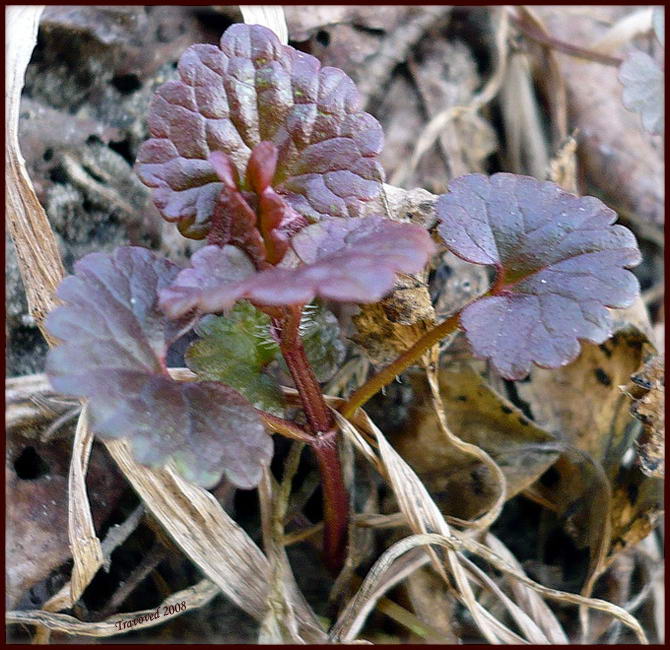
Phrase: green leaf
(234, 349)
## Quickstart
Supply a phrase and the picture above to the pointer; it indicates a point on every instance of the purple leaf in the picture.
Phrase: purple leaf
(252, 89)
(560, 262)
(113, 350)
(348, 260)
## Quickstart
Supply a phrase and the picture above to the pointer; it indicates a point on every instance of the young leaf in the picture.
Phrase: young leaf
(559, 260)
(253, 88)
(348, 260)
(264, 232)
(113, 351)
(234, 349)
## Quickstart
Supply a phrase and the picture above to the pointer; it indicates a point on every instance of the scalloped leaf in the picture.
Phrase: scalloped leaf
(114, 342)
(234, 349)
(560, 263)
(347, 260)
(253, 88)
(644, 90)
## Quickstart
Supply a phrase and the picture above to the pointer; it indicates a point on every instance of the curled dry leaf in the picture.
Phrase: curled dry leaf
(600, 436)
(389, 327)
(462, 484)
(649, 408)
(352, 260)
(559, 261)
(113, 353)
(253, 88)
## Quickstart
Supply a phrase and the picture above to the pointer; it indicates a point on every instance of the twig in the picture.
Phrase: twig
(151, 560)
(556, 44)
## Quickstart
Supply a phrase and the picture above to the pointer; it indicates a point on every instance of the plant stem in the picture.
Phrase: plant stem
(318, 416)
(404, 361)
(323, 440)
(335, 501)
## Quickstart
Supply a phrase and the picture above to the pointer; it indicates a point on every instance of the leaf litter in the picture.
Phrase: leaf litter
(178, 504)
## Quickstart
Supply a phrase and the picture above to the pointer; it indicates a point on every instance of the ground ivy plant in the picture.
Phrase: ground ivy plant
(268, 156)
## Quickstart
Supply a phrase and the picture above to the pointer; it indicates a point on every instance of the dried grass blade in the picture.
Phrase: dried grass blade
(194, 597)
(563, 596)
(84, 543)
(86, 549)
(389, 570)
(270, 16)
(202, 529)
(485, 521)
(424, 517)
(526, 624)
(535, 606)
(36, 249)
(209, 537)
(279, 625)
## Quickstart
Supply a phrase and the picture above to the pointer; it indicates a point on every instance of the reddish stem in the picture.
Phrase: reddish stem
(323, 441)
(335, 501)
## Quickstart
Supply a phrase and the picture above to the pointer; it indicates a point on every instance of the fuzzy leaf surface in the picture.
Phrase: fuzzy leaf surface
(321, 336)
(114, 342)
(250, 89)
(234, 349)
(559, 260)
(347, 260)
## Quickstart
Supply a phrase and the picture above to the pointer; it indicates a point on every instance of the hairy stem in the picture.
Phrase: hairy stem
(323, 440)
(335, 501)
(404, 361)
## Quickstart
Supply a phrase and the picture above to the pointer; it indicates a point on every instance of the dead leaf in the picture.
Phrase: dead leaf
(37, 514)
(391, 326)
(462, 484)
(584, 407)
(637, 503)
(623, 165)
(649, 408)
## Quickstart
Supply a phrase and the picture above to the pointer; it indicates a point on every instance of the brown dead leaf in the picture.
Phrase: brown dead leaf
(36, 475)
(649, 408)
(391, 326)
(583, 405)
(637, 503)
(478, 415)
